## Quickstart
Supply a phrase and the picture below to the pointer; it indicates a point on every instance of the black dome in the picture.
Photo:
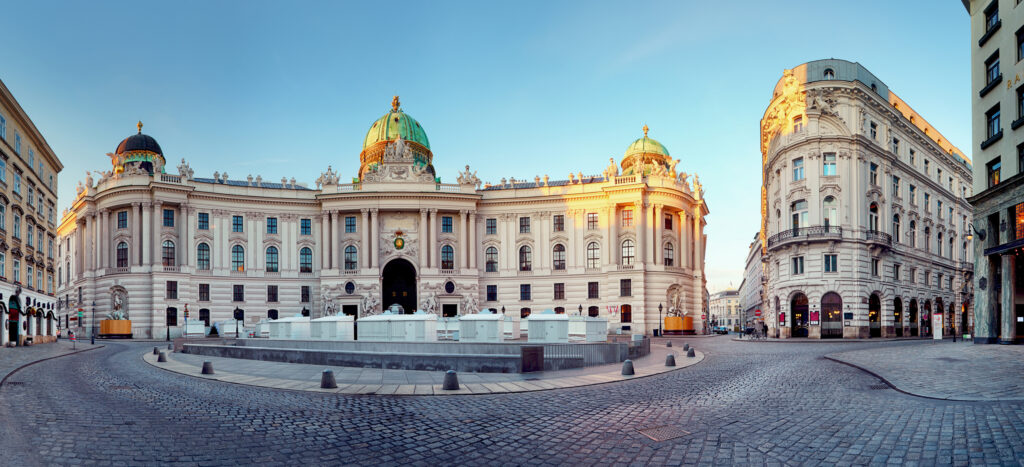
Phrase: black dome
(139, 142)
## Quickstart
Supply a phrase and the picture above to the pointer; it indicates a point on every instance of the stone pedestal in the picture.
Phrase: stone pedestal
(295, 327)
(263, 328)
(513, 327)
(334, 328)
(482, 327)
(227, 328)
(588, 329)
(195, 328)
(417, 327)
(548, 327)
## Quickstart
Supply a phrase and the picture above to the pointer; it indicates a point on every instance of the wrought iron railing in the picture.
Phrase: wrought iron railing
(805, 233)
(878, 237)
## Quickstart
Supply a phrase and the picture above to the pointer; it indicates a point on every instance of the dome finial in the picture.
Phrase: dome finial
(645, 130)
(395, 104)
(140, 126)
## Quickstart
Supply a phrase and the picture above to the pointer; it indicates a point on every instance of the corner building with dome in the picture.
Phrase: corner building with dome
(153, 241)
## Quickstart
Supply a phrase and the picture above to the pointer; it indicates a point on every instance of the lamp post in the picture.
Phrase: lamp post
(581, 309)
(93, 338)
(660, 331)
(503, 310)
(236, 312)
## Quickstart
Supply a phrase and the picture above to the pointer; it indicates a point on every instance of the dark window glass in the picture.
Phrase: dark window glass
(305, 294)
(122, 255)
(559, 291)
(446, 224)
(668, 222)
(271, 225)
(350, 224)
(351, 258)
(122, 219)
(524, 292)
(204, 292)
(558, 222)
(525, 259)
(236, 223)
(168, 253)
(203, 256)
(447, 257)
(592, 290)
(204, 221)
(238, 293)
(305, 227)
(306, 260)
(524, 225)
(492, 226)
(272, 259)
(558, 257)
(168, 218)
(491, 258)
(992, 68)
(992, 122)
(591, 220)
(271, 293)
(172, 290)
(492, 293)
(238, 258)
(625, 287)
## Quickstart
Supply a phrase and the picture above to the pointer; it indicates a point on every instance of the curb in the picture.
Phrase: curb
(804, 340)
(4, 380)
(893, 386)
(700, 358)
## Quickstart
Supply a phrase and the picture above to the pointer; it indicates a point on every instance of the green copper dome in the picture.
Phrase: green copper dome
(646, 145)
(394, 124)
(649, 151)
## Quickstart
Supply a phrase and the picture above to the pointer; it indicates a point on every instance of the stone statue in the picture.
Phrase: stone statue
(184, 170)
(471, 303)
(80, 188)
(697, 189)
(612, 171)
(88, 179)
(370, 302)
(672, 171)
(119, 310)
(429, 303)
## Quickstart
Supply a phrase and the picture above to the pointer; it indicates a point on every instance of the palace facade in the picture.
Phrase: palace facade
(614, 245)
(864, 216)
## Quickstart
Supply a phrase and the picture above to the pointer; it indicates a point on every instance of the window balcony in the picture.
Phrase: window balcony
(805, 234)
(172, 268)
(626, 267)
(877, 237)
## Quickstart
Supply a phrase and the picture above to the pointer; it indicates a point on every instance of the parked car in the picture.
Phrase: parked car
(721, 330)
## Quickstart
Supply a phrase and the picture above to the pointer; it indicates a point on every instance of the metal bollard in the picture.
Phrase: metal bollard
(668, 344)
(156, 351)
(686, 346)
(327, 380)
(451, 381)
(161, 357)
(627, 368)
(670, 359)
(170, 346)
(207, 368)
(691, 353)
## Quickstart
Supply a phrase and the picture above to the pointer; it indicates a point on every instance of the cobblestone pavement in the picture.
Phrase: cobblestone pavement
(745, 404)
(12, 358)
(946, 370)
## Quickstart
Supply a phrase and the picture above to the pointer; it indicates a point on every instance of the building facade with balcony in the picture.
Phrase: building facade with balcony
(28, 227)
(725, 309)
(863, 211)
(752, 286)
(998, 152)
(615, 245)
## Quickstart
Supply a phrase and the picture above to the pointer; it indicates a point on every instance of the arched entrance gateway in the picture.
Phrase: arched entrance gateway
(897, 316)
(875, 316)
(399, 285)
(14, 309)
(831, 316)
(913, 318)
(798, 310)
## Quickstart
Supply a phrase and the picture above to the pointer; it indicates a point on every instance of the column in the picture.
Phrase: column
(374, 237)
(145, 225)
(658, 225)
(325, 241)
(424, 239)
(472, 240)
(104, 239)
(87, 250)
(641, 232)
(185, 242)
(681, 244)
(335, 250)
(464, 246)
(434, 251)
(1009, 325)
(155, 237)
(698, 256)
(364, 237)
(572, 245)
(135, 231)
(613, 236)
(541, 242)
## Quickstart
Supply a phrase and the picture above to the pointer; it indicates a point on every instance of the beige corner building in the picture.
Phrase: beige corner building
(28, 229)
(997, 87)
(863, 211)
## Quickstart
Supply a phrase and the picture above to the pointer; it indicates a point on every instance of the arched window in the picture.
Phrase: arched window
(628, 252)
(799, 211)
(203, 257)
(122, 255)
(558, 257)
(491, 258)
(950, 247)
(670, 254)
(272, 257)
(873, 217)
(913, 233)
(938, 244)
(593, 255)
(964, 253)
(351, 258)
(525, 258)
(238, 258)
(927, 240)
(896, 227)
(306, 260)
(829, 211)
(168, 253)
(829, 74)
(447, 257)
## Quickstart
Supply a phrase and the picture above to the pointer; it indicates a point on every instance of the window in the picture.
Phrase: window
(627, 217)
(17, 183)
(491, 259)
(350, 224)
(1020, 45)
(895, 186)
(669, 254)
(172, 290)
(447, 257)
(668, 222)
(305, 227)
(625, 287)
(238, 293)
(938, 243)
(829, 164)
(168, 253)
(927, 239)
(829, 74)
(938, 208)
(927, 168)
(798, 265)
(271, 293)
(351, 258)
(896, 146)
(896, 227)
(912, 157)
(272, 258)
(17, 143)
(799, 214)
(204, 292)
(304, 294)
(992, 122)
(17, 271)
(236, 223)
(122, 219)
(591, 221)
(913, 194)
(873, 176)
(798, 123)
(874, 131)
(992, 68)
(17, 226)
(558, 257)
(524, 292)
(3, 170)
(31, 195)
(873, 217)
(992, 16)
(49, 248)
(203, 257)
(525, 258)
(896, 272)
(592, 290)
(798, 169)
(558, 222)
(168, 218)
(524, 225)
(913, 233)
(204, 221)
(491, 226)
(1017, 213)
(831, 263)
(446, 224)
(3, 128)
(993, 174)
(950, 211)
(271, 226)
(306, 260)
(628, 252)
(492, 293)
(593, 255)
(30, 234)
(829, 210)
(122, 255)
(238, 258)
(3, 217)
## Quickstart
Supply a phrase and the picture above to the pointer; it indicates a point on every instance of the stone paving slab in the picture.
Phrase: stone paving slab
(960, 371)
(350, 380)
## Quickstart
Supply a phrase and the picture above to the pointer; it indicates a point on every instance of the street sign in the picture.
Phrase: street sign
(703, 316)
(757, 312)
(80, 313)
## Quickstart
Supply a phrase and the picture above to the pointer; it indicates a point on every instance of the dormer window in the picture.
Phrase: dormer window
(829, 74)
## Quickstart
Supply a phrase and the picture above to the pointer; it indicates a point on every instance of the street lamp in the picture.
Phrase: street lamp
(236, 314)
(660, 331)
(980, 233)
(503, 310)
(581, 309)
(93, 338)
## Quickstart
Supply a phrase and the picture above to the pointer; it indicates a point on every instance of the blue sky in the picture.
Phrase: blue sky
(515, 89)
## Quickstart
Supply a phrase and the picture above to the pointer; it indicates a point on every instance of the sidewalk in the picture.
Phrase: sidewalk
(806, 340)
(351, 380)
(14, 358)
(945, 370)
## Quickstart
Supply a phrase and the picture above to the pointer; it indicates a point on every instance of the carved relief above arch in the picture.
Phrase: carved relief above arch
(593, 237)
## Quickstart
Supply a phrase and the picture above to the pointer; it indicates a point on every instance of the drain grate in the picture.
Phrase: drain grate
(878, 386)
(663, 433)
(15, 383)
